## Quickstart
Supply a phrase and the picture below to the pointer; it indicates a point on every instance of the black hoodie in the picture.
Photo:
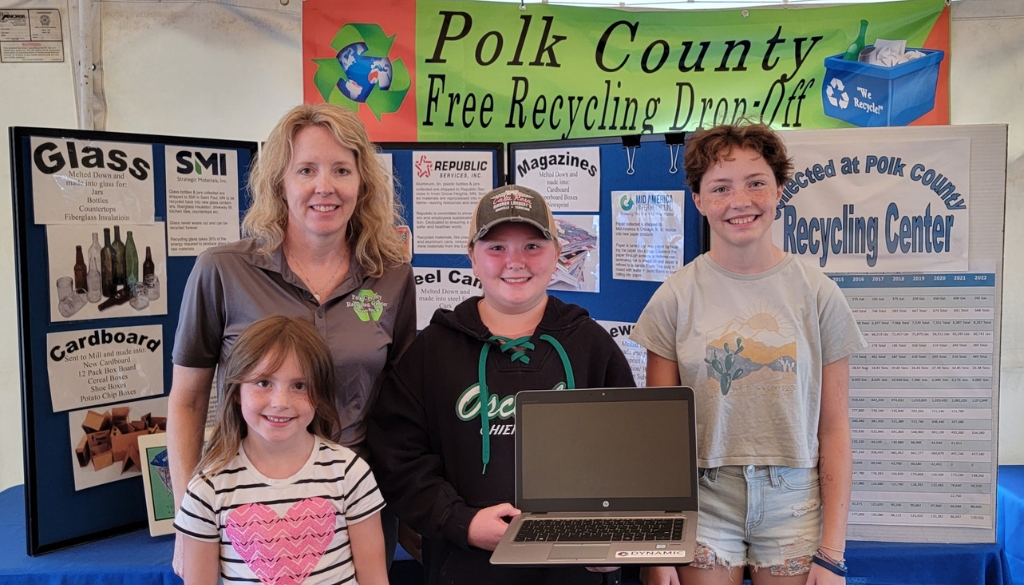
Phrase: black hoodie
(431, 459)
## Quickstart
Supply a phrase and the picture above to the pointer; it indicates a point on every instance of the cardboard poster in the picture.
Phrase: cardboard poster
(647, 237)
(91, 182)
(446, 186)
(442, 288)
(568, 178)
(877, 207)
(635, 353)
(202, 199)
(579, 264)
(99, 366)
(104, 441)
(80, 291)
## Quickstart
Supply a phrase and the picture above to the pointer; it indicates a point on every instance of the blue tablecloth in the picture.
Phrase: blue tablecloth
(888, 563)
(128, 559)
(1010, 522)
(138, 558)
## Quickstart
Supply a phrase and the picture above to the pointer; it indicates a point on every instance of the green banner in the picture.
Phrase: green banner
(491, 72)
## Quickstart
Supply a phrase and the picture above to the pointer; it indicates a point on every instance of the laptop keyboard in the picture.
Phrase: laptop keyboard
(601, 530)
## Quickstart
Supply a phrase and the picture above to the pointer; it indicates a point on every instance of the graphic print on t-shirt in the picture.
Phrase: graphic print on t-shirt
(282, 550)
(753, 354)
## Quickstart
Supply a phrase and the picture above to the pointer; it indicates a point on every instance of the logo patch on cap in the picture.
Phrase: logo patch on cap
(512, 200)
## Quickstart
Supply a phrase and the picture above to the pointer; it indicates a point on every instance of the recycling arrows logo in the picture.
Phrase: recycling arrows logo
(842, 99)
(367, 305)
(362, 71)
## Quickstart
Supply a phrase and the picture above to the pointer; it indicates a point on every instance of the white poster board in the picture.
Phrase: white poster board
(873, 207)
(924, 398)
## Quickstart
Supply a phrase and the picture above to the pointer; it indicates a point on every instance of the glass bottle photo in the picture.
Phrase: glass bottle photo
(147, 266)
(81, 272)
(70, 305)
(107, 265)
(93, 279)
(121, 297)
(152, 287)
(140, 296)
(131, 262)
(95, 250)
(65, 287)
(119, 274)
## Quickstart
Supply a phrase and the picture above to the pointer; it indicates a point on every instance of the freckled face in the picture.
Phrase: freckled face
(738, 195)
(514, 263)
(320, 186)
(276, 406)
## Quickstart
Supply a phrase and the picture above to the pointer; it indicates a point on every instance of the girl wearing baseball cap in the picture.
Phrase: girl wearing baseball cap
(443, 431)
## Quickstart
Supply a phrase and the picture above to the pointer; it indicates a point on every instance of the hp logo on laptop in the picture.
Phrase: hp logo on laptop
(605, 503)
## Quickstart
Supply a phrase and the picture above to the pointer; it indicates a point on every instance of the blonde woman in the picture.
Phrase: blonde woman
(320, 246)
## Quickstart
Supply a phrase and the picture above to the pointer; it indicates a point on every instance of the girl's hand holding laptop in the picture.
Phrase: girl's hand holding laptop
(489, 525)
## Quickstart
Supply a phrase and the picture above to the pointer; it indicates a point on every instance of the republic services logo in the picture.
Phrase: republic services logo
(423, 166)
(362, 72)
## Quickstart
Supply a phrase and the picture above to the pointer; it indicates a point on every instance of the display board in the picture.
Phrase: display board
(909, 224)
(97, 321)
(626, 220)
(438, 186)
(905, 219)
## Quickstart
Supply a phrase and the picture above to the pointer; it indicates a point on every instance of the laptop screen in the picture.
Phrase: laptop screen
(605, 449)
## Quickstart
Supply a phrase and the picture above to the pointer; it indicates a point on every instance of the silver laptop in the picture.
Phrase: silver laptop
(604, 476)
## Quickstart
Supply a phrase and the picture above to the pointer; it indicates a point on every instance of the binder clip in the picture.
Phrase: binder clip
(630, 143)
(675, 146)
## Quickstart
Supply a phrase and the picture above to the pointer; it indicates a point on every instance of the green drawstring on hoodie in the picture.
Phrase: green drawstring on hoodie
(519, 355)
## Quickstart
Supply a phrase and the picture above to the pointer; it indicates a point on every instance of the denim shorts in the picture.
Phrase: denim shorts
(763, 516)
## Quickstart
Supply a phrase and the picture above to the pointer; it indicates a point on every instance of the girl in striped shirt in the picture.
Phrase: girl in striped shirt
(273, 500)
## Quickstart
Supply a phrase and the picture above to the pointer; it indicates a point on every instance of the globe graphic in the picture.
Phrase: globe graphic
(362, 71)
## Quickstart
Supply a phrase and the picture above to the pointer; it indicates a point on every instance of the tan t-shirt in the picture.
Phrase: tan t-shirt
(752, 348)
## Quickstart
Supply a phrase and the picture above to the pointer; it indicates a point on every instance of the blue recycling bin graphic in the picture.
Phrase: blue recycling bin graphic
(874, 95)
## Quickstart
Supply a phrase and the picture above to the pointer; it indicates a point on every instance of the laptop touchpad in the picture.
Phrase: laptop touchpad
(578, 551)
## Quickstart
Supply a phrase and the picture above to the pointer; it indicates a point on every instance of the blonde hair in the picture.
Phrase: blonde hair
(371, 232)
(271, 339)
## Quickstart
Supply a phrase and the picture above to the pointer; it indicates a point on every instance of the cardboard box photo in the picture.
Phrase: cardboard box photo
(112, 437)
(102, 439)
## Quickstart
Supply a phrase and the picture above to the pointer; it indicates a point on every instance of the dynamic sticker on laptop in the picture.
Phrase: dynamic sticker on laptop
(650, 553)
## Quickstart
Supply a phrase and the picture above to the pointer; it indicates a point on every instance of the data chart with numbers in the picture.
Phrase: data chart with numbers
(921, 399)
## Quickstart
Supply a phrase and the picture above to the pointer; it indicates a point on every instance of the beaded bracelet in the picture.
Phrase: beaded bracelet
(839, 568)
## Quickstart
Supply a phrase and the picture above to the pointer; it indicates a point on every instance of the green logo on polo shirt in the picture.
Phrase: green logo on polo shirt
(367, 305)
